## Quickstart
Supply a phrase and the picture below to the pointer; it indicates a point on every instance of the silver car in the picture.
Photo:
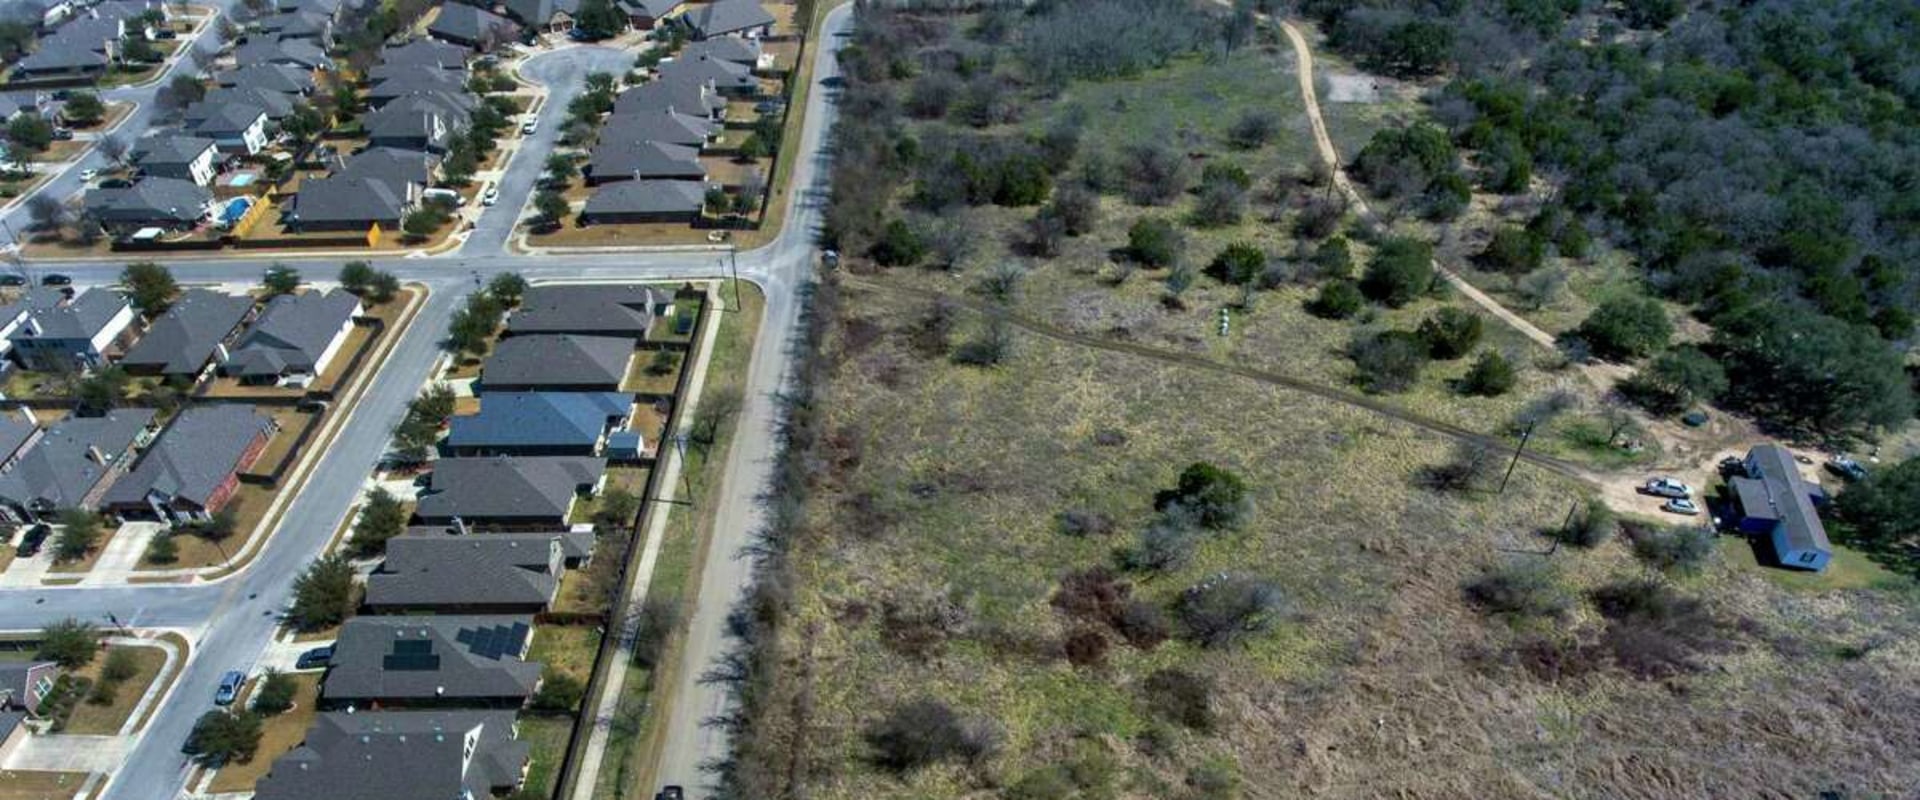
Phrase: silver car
(1667, 487)
(1680, 505)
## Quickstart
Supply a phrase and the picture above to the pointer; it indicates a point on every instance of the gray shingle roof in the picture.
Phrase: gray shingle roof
(727, 16)
(721, 74)
(425, 52)
(647, 197)
(388, 755)
(169, 149)
(600, 310)
(540, 12)
(1782, 494)
(298, 52)
(393, 166)
(60, 317)
(194, 456)
(651, 8)
(686, 97)
(507, 488)
(725, 48)
(425, 571)
(154, 199)
(283, 78)
(625, 159)
(415, 80)
(276, 105)
(14, 432)
(12, 103)
(346, 199)
(425, 658)
(59, 54)
(558, 360)
(61, 469)
(182, 340)
(226, 119)
(471, 24)
(659, 126)
(292, 333)
(539, 419)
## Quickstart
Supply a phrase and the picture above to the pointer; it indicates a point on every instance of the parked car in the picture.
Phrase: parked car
(1680, 505)
(315, 658)
(490, 196)
(165, 34)
(63, 134)
(56, 279)
(1667, 487)
(532, 124)
(116, 183)
(89, 174)
(30, 544)
(229, 687)
(13, 280)
(671, 793)
(1846, 467)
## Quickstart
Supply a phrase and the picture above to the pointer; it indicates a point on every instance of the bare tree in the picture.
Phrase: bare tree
(46, 212)
(114, 147)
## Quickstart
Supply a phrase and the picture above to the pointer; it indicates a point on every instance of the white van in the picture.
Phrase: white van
(448, 196)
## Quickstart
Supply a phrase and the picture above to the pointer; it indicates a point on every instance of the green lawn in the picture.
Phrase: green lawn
(548, 737)
(1850, 569)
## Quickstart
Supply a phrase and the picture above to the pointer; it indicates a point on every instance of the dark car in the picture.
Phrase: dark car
(13, 280)
(166, 33)
(671, 793)
(63, 134)
(315, 658)
(30, 544)
(229, 687)
(56, 279)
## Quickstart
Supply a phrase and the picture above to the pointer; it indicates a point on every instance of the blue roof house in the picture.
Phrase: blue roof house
(1773, 500)
(540, 424)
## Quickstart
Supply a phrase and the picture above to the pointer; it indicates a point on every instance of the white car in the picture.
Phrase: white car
(89, 174)
(491, 196)
(1680, 505)
(1667, 487)
(531, 125)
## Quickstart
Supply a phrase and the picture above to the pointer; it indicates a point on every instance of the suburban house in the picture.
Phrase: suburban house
(39, 14)
(539, 424)
(1774, 500)
(470, 26)
(743, 18)
(499, 573)
(416, 80)
(746, 52)
(310, 26)
(172, 204)
(13, 104)
(684, 97)
(419, 53)
(726, 77)
(625, 160)
(290, 52)
(330, 8)
(276, 105)
(281, 78)
(671, 127)
(680, 202)
(438, 661)
(508, 492)
(238, 128)
(186, 158)
(72, 464)
(64, 332)
(644, 14)
(82, 47)
(545, 15)
(589, 310)
(23, 684)
(460, 755)
(194, 469)
(417, 122)
(190, 334)
(295, 339)
(350, 203)
(576, 541)
(13, 731)
(561, 363)
(16, 435)
(405, 171)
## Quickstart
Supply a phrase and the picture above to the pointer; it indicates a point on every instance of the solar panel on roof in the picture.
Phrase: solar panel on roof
(412, 655)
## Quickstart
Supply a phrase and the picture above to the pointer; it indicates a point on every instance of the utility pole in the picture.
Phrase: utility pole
(1524, 436)
(733, 260)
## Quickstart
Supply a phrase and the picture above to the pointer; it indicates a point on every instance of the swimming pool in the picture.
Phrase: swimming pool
(235, 209)
(242, 179)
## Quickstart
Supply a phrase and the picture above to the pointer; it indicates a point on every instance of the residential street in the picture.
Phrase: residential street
(231, 621)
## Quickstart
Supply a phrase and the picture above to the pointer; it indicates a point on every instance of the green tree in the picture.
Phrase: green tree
(550, 206)
(105, 388)
(616, 509)
(217, 528)
(305, 123)
(1627, 326)
(161, 549)
(899, 246)
(1591, 527)
(1400, 271)
(150, 286)
(1514, 250)
(79, 532)
(356, 276)
(1881, 515)
(1240, 263)
(473, 324)
(382, 517)
(1334, 258)
(83, 109)
(1154, 242)
(561, 169)
(1215, 495)
(1675, 380)
(1450, 333)
(1338, 299)
(29, 133)
(70, 642)
(1491, 375)
(323, 595)
(223, 737)
(276, 693)
(1811, 372)
(423, 221)
(599, 19)
(508, 288)
(1389, 361)
(281, 279)
(383, 288)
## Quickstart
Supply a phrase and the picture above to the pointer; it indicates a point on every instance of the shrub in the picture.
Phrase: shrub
(1514, 250)
(1094, 594)
(1519, 591)
(1240, 263)
(1153, 242)
(1253, 129)
(1675, 380)
(1680, 550)
(899, 246)
(1086, 647)
(1450, 333)
(1337, 299)
(1077, 208)
(1470, 467)
(559, 691)
(1167, 544)
(1653, 631)
(161, 548)
(1492, 375)
(991, 347)
(1215, 496)
(1082, 522)
(1334, 258)
(925, 732)
(1226, 609)
(1218, 204)
(275, 695)
(70, 642)
(1627, 327)
(120, 665)
(1400, 271)
(1143, 624)
(1591, 527)
(1181, 697)
(223, 737)
(1389, 361)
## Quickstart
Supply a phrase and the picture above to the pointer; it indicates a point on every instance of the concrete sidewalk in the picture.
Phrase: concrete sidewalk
(122, 554)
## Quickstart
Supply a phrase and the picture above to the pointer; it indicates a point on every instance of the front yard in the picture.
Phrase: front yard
(280, 735)
(107, 707)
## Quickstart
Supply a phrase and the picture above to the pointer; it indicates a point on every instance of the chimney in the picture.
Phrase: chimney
(95, 455)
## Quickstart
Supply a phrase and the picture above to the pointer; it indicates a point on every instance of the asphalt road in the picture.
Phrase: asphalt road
(231, 621)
